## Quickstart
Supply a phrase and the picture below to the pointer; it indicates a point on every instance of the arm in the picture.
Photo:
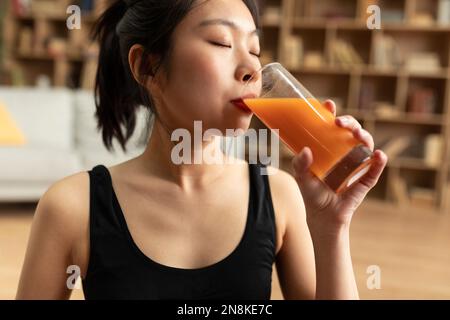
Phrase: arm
(335, 276)
(315, 260)
(329, 216)
(310, 268)
(295, 263)
(50, 246)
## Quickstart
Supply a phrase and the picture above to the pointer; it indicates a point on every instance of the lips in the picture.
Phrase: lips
(239, 102)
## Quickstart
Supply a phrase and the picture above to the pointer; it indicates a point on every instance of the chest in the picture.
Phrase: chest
(185, 230)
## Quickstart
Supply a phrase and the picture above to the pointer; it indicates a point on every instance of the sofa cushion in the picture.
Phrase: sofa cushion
(28, 165)
(44, 115)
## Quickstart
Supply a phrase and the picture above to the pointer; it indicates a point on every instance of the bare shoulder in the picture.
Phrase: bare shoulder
(61, 218)
(67, 196)
(64, 208)
(283, 186)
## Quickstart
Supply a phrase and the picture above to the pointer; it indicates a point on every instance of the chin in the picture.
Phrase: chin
(239, 123)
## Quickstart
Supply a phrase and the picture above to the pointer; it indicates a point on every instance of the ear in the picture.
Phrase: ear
(135, 61)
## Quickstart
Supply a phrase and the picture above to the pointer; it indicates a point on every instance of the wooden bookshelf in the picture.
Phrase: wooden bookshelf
(379, 89)
(40, 49)
(381, 95)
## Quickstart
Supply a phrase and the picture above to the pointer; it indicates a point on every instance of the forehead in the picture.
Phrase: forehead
(234, 11)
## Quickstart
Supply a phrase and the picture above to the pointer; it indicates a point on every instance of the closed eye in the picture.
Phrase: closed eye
(219, 44)
(258, 55)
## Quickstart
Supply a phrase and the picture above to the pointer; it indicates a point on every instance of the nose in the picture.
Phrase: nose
(244, 73)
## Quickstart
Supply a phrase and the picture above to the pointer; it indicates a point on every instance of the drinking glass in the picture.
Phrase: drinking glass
(283, 103)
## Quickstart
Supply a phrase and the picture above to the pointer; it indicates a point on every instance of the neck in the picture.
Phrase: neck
(189, 175)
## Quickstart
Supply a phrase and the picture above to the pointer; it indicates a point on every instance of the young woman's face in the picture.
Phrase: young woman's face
(215, 51)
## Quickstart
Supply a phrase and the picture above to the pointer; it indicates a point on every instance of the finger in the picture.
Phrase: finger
(331, 106)
(348, 122)
(308, 183)
(302, 162)
(370, 179)
(365, 137)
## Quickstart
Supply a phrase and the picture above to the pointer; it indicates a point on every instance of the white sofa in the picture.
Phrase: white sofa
(62, 139)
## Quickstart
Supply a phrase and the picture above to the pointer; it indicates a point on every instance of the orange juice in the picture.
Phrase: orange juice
(306, 123)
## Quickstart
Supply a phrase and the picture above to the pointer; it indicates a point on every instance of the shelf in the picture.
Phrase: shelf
(354, 24)
(47, 57)
(40, 45)
(273, 25)
(89, 18)
(411, 163)
(434, 120)
(373, 71)
(403, 118)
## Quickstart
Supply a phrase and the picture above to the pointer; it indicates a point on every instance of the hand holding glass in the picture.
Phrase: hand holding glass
(283, 103)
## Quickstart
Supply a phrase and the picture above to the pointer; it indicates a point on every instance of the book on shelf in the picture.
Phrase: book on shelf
(394, 147)
(387, 53)
(20, 7)
(293, 52)
(313, 59)
(344, 54)
(443, 17)
(385, 110)
(422, 102)
(345, 10)
(423, 62)
(433, 149)
(422, 19)
(271, 15)
(51, 8)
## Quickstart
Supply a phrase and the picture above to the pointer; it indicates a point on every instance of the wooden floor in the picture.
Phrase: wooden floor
(411, 248)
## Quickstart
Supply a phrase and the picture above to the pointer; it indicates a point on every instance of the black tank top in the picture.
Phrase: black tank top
(118, 269)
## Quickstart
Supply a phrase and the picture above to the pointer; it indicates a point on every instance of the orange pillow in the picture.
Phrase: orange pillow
(10, 134)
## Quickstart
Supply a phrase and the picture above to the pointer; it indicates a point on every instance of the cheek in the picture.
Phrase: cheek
(197, 75)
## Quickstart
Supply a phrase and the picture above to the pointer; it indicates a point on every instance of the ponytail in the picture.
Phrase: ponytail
(115, 88)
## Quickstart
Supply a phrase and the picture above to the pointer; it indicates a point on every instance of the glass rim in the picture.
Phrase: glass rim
(271, 64)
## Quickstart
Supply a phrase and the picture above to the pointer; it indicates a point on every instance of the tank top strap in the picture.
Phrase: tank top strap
(261, 210)
(103, 218)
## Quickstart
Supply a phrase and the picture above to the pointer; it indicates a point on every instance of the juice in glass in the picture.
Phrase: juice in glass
(302, 121)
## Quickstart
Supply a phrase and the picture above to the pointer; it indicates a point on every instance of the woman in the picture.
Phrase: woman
(152, 229)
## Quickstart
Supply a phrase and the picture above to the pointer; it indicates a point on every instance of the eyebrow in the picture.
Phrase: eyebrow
(227, 23)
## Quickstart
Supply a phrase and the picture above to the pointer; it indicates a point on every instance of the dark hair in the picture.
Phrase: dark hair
(149, 23)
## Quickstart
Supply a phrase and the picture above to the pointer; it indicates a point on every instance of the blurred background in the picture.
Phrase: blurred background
(394, 78)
